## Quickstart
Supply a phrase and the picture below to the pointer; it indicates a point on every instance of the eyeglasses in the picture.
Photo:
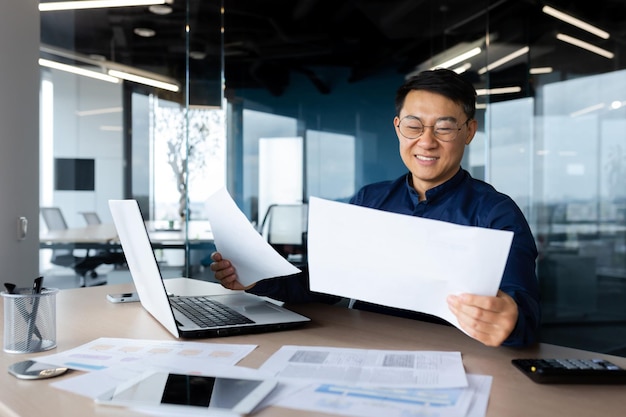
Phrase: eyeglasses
(444, 130)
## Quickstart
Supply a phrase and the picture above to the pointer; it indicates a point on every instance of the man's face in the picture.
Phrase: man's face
(431, 161)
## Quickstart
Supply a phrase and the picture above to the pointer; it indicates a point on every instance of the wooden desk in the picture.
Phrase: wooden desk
(512, 393)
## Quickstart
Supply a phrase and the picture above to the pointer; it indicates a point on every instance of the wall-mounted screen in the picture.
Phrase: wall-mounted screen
(71, 174)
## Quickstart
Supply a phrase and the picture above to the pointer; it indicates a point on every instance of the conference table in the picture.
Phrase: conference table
(512, 393)
(197, 239)
(104, 235)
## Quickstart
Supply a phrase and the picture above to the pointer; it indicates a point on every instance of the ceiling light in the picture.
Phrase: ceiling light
(197, 55)
(502, 90)
(459, 58)
(96, 4)
(586, 110)
(455, 55)
(97, 112)
(160, 9)
(540, 70)
(77, 70)
(575, 22)
(115, 70)
(144, 32)
(462, 68)
(504, 60)
(585, 45)
(144, 80)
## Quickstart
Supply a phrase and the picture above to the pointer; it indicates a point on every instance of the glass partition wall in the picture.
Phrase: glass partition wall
(307, 110)
(132, 108)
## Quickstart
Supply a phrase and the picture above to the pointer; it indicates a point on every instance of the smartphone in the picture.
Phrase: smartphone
(170, 391)
(127, 297)
(30, 369)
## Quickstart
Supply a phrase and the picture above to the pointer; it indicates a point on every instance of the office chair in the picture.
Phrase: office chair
(83, 266)
(284, 227)
(108, 256)
(91, 217)
(54, 220)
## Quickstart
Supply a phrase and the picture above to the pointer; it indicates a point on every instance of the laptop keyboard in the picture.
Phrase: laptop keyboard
(206, 312)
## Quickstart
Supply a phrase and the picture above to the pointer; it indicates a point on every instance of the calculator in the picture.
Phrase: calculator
(571, 371)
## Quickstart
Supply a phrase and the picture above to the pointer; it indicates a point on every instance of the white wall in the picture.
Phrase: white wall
(19, 139)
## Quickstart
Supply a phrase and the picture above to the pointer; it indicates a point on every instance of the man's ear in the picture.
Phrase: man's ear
(396, 121)
(472, 127)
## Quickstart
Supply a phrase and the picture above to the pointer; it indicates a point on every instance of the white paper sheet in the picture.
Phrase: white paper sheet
(236, 239)
(106, 352)
(367, 367)
(337, 399)
(118, 359)
(399, 260)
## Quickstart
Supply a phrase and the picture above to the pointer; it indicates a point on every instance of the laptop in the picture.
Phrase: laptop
(245, 313)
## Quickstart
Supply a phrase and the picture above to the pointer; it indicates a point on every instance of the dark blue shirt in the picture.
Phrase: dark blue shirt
(461, 200)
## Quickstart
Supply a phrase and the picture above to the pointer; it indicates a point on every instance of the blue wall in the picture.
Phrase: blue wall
(364, 109)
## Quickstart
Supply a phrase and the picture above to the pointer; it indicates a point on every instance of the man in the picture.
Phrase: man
(434, 123)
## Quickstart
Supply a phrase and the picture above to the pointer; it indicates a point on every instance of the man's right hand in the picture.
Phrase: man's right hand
(225, 273)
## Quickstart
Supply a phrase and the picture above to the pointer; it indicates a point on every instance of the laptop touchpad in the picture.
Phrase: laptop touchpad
(261, 308)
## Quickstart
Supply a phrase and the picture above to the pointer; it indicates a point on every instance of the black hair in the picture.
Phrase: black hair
(440, 81)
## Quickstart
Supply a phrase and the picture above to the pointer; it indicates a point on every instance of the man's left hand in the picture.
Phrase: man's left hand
(489, 320)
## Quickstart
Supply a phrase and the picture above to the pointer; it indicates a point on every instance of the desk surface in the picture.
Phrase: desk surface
(84, 314)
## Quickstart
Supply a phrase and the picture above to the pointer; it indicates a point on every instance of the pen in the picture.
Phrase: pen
(10, 287)
(33, 314)
(22, 309)
(37, 285)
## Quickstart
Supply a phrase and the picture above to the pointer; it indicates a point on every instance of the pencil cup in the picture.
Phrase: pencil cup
(29, 320)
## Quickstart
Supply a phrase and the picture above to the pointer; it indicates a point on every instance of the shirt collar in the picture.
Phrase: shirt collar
(433, 193)
(415, 198)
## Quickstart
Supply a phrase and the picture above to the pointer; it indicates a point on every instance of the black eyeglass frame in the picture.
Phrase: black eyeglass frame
(433, 127)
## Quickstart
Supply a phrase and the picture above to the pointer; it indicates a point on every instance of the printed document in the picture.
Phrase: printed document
(367, 367)
(115, 360)
(399, 260)
(239, 242)
(374, 383)
(339, 399)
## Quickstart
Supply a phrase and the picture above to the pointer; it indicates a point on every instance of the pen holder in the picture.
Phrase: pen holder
(29, 320)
